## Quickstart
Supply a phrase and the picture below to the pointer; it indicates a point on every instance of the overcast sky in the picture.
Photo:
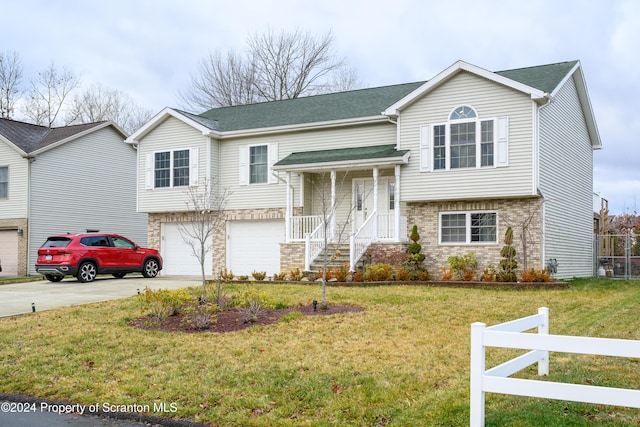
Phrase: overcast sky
(149, 49)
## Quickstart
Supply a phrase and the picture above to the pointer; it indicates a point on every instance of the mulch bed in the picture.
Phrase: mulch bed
(230, 320)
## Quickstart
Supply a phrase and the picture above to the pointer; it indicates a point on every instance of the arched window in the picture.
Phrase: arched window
(463, 112)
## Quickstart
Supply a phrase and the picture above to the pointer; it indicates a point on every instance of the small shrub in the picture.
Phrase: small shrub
(340, 273)
(464, 267)
(280, 277)
(259, 275)
(164, 302)
(378, 272)
(199, 316)
(446, 273)
(249, 314)
(402, 274)
(358, 276)
(423, 275)
(508, 264)
(226, 275)
(533, 275)
(244, 297)
(296, 275)
(489, 274)
(243, 277)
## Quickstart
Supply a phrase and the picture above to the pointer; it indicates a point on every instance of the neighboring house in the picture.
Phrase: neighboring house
(462, 156)
(67, 179)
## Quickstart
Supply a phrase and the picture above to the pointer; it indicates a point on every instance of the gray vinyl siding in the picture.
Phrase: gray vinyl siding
(490, 100)
(172, 134)
(88, 183)
(15, 205)
(272, 195)
(566, 183)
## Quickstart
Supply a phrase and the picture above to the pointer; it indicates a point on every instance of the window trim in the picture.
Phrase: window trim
(467, 227)
(244, 166)
(192, 168)
(5, 182)
(249, 164)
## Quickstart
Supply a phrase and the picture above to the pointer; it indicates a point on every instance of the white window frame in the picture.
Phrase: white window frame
(500, 144)
(244, 166)
(150, 183)
(5, 182)
(467, 227)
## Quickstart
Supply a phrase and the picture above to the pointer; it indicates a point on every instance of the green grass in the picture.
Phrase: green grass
(403, 361)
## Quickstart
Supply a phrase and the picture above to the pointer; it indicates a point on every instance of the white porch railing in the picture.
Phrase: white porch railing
(509, 335)
(303, 225)
(387, 226)
(361, 239)
(315, 241)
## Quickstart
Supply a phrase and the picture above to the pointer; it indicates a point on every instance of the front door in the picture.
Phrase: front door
(363, 204)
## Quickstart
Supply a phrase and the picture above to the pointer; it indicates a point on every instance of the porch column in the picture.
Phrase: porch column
(396, 205)
(375, 202)
(333, 205)
(287, 213)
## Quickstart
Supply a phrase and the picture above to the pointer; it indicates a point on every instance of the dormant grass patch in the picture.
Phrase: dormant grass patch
(402, 361)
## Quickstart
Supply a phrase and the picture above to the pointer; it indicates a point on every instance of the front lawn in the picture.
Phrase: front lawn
(403, 361)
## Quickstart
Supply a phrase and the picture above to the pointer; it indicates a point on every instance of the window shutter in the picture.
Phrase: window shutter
(193, 167)
(148, 181)
(273, 157)
(243, 166)
(502, 141)
(425, 148)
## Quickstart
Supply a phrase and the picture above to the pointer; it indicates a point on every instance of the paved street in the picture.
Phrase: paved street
(44, 295)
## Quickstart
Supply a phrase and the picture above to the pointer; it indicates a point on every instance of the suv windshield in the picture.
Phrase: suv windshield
(56, 242)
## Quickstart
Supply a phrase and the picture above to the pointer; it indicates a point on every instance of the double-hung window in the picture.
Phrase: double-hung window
(258, 164)
(468, 227)
(255, 162)
(4, 182)
(465, 141)
(175, 168)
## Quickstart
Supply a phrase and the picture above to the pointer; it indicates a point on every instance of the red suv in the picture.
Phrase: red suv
(87, 255)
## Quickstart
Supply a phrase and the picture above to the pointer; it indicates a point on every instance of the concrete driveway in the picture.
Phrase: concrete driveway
(17, 298)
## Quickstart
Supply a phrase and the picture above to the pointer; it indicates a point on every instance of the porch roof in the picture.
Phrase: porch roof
(344, 158)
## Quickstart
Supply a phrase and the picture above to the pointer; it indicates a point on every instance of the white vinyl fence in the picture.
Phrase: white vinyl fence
(510, 335)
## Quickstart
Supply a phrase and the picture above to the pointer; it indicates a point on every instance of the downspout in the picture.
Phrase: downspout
(29, 161)
(537, 189)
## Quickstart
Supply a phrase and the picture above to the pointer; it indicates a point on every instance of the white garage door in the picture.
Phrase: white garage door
(178, 256)
(9, 252)
(254, 246)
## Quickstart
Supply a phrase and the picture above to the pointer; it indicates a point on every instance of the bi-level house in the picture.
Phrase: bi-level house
(59, 180)
(462, 156)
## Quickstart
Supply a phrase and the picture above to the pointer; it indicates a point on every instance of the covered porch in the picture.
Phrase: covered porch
(341, 197)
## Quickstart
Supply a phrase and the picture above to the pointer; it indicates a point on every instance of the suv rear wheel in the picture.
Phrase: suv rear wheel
(87, 272)
(150, 268)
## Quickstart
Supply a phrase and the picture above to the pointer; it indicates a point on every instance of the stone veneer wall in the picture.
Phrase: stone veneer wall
(291, 256)
(511, 212)
(219, 241)
(23, 241)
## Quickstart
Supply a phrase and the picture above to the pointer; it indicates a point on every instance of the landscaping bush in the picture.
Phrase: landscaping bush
(508, 266)
(163, 303)
(446, 273)
(199, 316)
(259, 275)
(489, 274)
(533, 275)
(464, 267)
(339, 273)
(378, 272)
(226, 275)
(280, 277)
(295, 275)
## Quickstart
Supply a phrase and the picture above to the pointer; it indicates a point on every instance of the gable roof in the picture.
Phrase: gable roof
(378, 103)
(29, 138)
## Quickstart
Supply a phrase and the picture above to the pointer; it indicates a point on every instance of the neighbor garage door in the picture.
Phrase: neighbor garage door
(254, 246)
(9, 252)
(178, 256)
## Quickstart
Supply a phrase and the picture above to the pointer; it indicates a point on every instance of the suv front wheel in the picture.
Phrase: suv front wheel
(150, 268)
(87, 272)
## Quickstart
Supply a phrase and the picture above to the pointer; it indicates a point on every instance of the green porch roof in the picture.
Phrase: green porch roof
(387, 153)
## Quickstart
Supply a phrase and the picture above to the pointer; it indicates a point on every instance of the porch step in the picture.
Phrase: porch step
(336, 258)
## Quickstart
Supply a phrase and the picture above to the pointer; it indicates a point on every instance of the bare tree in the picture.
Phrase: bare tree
(48, 95)
(10, 78)
(206, 204)
(275, 66)
(99, 103)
